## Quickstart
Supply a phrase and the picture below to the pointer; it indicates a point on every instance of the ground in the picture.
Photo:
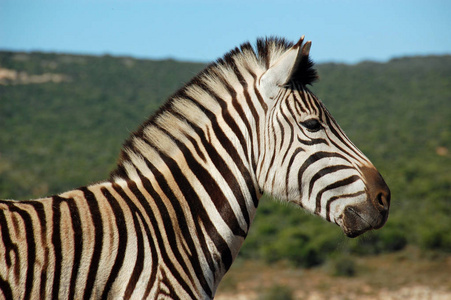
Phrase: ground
(409, 274)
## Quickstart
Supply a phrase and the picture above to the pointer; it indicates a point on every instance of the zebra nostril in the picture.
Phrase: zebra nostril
(378, 191)
(380, 199)
(383, 202)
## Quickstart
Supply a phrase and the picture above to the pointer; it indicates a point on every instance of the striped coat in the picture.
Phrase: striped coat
(171, 219)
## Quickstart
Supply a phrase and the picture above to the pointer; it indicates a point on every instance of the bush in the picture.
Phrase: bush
(389, 239)
(293, 245)
(278, 292)
(302, 247)
(344, 266)
(435, 237)
(392, 240)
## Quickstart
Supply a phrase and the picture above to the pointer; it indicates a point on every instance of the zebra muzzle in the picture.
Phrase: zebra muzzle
(372, 213)
(357, 220)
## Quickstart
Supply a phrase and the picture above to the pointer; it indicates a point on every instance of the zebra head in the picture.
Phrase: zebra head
(307, 159)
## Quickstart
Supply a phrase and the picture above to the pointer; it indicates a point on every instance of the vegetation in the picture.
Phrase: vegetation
(277, 292)
(65, 129)
(406, 274)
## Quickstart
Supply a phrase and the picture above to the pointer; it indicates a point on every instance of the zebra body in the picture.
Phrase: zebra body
(175, 212)
(101, 241)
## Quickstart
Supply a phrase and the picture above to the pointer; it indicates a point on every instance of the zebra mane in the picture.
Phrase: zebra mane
(261, 57)
(267, 51)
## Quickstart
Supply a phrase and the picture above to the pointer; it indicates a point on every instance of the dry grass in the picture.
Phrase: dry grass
(409, 274)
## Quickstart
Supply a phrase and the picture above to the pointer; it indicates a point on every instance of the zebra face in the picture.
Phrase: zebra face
(308, 160)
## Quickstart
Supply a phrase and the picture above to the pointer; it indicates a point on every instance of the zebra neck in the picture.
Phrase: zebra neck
(206, 192)
(197, 156)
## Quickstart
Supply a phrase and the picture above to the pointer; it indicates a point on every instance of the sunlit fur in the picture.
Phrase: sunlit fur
(175, 212)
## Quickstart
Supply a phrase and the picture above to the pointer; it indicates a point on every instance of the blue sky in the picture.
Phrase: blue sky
(341, 30)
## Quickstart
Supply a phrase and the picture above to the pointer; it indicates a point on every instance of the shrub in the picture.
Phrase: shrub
(278, 292)
(435, 237)
(344, 266)
(389, 239)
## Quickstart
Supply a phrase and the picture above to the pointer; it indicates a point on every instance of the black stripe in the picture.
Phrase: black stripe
(230, 121)
(120, 171)
(78, 244)
(338, 133)
(286, 118)
(122, 240)
(92, 202)
(196, 147)
(153, 248)
(169, 229)
(169, 286)
(334, 185)
(263, 52)
(241, 114)
(312, 159)
(10, 247)
(31, 249)
(219, 162)
(273, 153)
(196, 207)
(56, 241)
(312, 142)
(315, 157)
(256, 119)
(322, 111)
(282, 136)
(190, 194)
(262, 103)
(40, 211)
(323, 172)
(290, 163)
(6, 288)
(215, 192)
(257, 93)
(139, 263)
(236, 104)
(307, 100)
(329, 202)
(299, 102)
(314, 103)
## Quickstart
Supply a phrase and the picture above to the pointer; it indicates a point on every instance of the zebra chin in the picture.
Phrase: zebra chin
(358, 219)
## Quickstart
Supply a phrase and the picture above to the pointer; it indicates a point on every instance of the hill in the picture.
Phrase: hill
(63, 119)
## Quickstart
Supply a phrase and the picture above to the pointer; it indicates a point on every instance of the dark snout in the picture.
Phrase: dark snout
(373, 213)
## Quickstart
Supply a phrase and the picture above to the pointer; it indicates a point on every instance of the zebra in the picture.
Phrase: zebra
(171, 218)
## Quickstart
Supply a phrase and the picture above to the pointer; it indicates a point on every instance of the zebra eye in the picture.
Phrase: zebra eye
(312, 125)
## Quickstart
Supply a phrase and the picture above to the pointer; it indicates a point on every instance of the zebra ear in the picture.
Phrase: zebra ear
(294, 65)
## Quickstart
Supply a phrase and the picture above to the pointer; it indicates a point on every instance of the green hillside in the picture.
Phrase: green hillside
(63, 119)
(57, 136)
